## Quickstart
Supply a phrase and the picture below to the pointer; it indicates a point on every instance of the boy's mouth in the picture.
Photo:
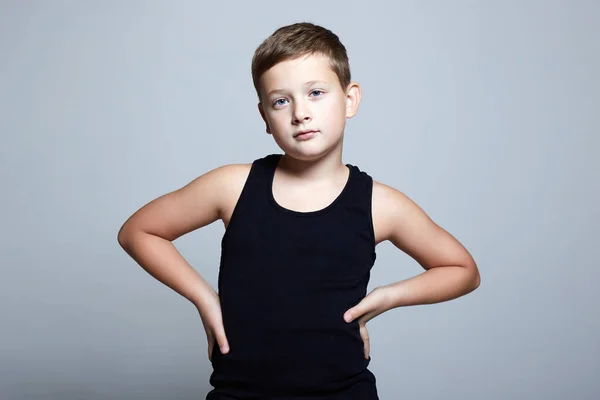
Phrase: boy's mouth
(306, 134)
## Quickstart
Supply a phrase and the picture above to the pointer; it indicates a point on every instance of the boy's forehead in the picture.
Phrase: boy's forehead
(296, 72)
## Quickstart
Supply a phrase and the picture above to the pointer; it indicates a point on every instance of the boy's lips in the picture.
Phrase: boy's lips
(305, 134)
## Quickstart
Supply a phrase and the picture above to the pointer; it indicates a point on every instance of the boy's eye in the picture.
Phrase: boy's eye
(281, 102)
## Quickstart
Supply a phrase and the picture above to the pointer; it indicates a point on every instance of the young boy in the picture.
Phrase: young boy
(289, 318)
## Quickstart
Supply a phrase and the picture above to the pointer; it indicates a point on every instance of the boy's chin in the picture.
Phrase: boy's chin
(309, 153)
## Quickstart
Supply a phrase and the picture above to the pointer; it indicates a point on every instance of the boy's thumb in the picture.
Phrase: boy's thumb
(222, 341)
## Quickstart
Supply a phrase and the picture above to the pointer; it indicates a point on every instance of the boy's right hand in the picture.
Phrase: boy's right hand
(212, 318)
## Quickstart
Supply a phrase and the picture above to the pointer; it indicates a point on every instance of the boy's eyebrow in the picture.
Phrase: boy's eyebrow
(309, 83)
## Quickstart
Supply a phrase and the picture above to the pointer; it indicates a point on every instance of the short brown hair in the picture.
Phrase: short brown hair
(297, 40)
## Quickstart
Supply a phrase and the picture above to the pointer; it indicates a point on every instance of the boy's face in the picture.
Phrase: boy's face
(305, 94)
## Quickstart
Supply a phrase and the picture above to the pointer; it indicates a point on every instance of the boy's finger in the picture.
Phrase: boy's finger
(223, 342)
(356, 311)
(365, 337)
(366, 305)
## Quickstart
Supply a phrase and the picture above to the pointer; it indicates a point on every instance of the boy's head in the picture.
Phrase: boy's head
(302, 78)
(297, 40)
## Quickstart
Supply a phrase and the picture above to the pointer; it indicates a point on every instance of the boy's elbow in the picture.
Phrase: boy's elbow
(471, 277)
(477, 282)
(476, 279)
(123, 236)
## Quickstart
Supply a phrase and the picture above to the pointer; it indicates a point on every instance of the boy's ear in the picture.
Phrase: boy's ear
(353, 96)
(262, 114)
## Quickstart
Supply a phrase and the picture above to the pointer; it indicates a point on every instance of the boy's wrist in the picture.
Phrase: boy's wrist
(204, 295)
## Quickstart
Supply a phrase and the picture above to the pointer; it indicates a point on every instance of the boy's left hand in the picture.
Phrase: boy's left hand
(371, 306)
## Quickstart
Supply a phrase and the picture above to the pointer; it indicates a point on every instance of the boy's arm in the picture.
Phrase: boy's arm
(147, 235)
(450, 271)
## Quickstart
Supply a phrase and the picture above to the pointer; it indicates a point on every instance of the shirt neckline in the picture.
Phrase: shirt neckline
(304, 213)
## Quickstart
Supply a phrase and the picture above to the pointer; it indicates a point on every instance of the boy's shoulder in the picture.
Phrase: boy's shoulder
(233, 171)
(230, 179)
(233, 176)
(392, 208)
(383, 192)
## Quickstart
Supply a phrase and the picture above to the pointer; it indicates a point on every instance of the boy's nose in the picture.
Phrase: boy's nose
(301, 114)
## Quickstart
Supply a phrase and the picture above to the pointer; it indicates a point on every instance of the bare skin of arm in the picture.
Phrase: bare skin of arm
(450, 271)
(147, 237)
(148, 234)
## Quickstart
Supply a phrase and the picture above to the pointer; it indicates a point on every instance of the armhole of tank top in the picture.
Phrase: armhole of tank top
(235, 211)
(369, 198)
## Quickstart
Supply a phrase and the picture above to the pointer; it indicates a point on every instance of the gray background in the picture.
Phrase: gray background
(486, 113)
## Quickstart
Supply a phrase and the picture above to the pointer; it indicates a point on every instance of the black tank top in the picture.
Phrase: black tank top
(285, 280)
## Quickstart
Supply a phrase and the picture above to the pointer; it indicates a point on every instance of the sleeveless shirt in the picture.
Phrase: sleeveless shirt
(285, 280)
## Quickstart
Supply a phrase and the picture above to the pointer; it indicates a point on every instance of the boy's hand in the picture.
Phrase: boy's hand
(212, 318)
(371, 306)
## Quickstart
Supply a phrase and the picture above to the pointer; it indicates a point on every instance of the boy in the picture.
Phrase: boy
(289, 319)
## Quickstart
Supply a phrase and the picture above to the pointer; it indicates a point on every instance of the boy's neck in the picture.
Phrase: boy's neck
(325, 168)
